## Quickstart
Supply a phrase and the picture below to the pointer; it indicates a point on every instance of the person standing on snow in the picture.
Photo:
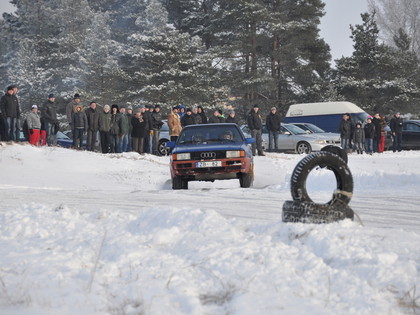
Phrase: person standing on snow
(346, 131)
(273, 122)
(34, 126)
(396, 125)
(255, 126)
(49, 118)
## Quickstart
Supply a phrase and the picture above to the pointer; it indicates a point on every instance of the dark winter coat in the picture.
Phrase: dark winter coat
(124, 124)
(232, 120)
(346, 129)
(369, 131)
(254, 120)
(187, 120)
(140, 128)
(93, 118)
(273, 122)
(79, 121)
(197, 119)
(104, 121)
(216, 119)
(157, 120)
(202, 115)
(147, 116)
(396, 124)
(115, 128)
(359, 135)
(49, 112)
(377, 123)
(9, 106)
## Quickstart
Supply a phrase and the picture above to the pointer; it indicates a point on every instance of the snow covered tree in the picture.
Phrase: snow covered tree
(377, 77)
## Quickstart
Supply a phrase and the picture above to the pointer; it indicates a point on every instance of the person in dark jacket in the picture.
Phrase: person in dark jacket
(217, 117)
(115, 128)
(105, 129)
(124, 125)
(130, 115)
(139, 132)
(396, 125)
(376, 120)
(9, 107)
(369, 135)
(197, 117)
(147, 116)
(232, 118)
(255, 126)
(49, 118)
(80, 125)
(188, 118)
(92, 115)
(202, 114)
(359, 138)
(157, 123)
(346, 131)
(273, 121)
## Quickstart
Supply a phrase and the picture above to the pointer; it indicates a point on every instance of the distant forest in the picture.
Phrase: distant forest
(214, 53)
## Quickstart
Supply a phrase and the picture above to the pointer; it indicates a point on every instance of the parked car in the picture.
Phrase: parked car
(314, 129)
(410, 136)
(164, 138)
(211, 152)
(294, 139)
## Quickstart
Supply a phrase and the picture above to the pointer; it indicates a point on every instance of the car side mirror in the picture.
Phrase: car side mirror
(287, 133)
(249, 140)
(170, 144)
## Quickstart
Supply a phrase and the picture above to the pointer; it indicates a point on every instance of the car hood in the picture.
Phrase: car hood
(218, 146)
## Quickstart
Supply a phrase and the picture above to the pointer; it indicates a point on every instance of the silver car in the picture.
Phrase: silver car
(331, 137)
(294, 139)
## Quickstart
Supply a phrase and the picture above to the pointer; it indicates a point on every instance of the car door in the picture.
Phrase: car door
(411, 135)
(286, 140)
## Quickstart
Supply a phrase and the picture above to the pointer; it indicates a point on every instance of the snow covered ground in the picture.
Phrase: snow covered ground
(86, 233)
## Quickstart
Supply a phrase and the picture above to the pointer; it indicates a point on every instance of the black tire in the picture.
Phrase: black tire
(309, 212)
(303, 148)
(342, 173)
(246, 180)
(179, 183)
(162, 148)
(336, 150)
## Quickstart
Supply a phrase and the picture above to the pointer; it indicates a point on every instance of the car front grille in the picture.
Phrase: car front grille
(208, 155)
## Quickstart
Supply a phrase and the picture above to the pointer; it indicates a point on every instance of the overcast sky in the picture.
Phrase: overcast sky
(335, 25)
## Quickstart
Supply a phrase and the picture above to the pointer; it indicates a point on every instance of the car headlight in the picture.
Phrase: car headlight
(183, 156)
(320, 141)
(234, 154)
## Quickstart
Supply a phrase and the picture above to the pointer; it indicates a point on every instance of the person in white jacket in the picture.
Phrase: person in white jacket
(34, 126)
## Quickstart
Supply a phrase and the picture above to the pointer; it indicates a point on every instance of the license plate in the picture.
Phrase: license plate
(208, 164)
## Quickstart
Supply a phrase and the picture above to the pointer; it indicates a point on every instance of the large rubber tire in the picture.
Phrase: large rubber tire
(336, 150)
(179, 183)
(333, 162)
(309, 212)
(303, 148)
(162, 148)
(246, 180)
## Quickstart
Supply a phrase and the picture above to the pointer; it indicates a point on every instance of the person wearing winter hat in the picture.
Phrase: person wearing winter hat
(123, 124)
(188, 118)
(10, 109)
(255, 126)
(217, 117)
(174, 124)
(105, 129)
(157, 123)
(232, 118)
(359, 138)
(71, 108)
(130, 115)
(273, 121)
(49, 120)
(80, 126)
(34, 125)
(115, 129)
(369, 135)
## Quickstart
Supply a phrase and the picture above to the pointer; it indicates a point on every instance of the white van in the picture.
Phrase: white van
(326, 115)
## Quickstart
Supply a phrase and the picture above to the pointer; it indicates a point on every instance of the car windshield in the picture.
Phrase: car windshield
(312, 128)
(210, 133)
(295, 130)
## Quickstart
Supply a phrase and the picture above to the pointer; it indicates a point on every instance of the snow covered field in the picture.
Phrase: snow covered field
(86, 233)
